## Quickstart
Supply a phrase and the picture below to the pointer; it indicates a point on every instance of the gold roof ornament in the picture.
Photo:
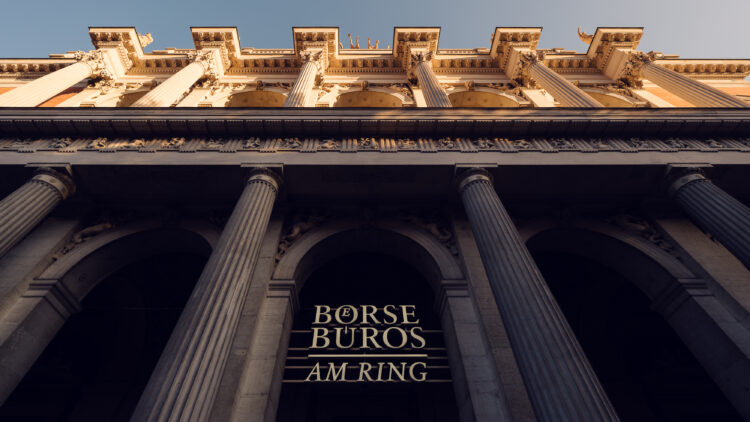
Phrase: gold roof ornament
(145, 39)
(584, 36)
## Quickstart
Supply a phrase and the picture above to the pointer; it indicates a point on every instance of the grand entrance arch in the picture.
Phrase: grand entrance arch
(664, 347)
(85, 336)
(322, 264)
(392, 388)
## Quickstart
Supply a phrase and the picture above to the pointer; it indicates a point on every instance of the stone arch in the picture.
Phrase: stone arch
(484, 97)
(475, 379)
(56, 294)
(268, 97)
(421, 249)
(682, 298)
(613, 99)
(372, 97)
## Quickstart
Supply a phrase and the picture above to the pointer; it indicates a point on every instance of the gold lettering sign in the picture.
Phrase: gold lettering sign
(364, 343)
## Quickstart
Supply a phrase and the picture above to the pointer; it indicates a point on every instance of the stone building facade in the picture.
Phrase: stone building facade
(556, 235)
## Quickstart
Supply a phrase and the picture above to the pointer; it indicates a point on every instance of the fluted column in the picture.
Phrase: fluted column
(715, 211)
(185, 381)
(23, 209)
(434, 94)
(169, 91)
(305, 82)
(561, 384)
(561, 89)
(690, 90)
(42, 89)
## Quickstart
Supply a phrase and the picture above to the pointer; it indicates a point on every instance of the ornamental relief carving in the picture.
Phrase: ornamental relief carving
(371, 144)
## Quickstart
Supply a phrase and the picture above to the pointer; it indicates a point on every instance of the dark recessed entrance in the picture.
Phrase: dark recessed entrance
(646, 370)
(368, 279)
(97, 366)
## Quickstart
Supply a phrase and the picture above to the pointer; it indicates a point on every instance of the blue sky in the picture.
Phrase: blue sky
(691, 28)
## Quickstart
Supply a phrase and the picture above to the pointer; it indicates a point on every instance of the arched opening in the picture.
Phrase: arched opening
(643, 364)
(367, 99)
(376, 280)
(481, 99)
(256, 99)
(98, 364)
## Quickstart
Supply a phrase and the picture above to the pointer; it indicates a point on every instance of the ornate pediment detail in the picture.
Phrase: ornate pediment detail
(225, 40)
(607, 40)
(127, 42)
(407, 41)
(324, 40)
(505, 40)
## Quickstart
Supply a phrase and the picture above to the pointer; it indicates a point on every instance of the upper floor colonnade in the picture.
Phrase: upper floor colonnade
(413, 72)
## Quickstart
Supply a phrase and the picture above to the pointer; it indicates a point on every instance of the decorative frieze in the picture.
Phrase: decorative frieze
(373, 144)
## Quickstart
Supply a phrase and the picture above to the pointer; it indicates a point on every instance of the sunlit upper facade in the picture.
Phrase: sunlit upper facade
(410, 71)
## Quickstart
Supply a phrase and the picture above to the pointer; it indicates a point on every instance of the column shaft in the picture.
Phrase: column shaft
(42, 89)
(303, 85)
(716, 212)
(434, 94)
(23, 209)
(170, 90)
(690, 90)
(185, 381)
(561, 384)
(565, 92)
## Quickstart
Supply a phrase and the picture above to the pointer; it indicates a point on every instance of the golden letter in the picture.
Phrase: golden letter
(345, 311)
(338, 337)
(404, 337)
(319, 312)
(417, 337)
(372, 309)
(422, 374)
(366, 337)
(332, 370)
(363, 372)
(407, 314)
(316, 336)
(388, 311)
(315, 371)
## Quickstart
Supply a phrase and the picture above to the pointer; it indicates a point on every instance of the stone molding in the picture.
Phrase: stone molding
(376, 144)
(130, 122)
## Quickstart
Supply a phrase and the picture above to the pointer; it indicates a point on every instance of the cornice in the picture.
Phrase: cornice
(16, 122)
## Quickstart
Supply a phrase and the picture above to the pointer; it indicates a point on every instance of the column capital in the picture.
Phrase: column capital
(420, 56)
(207, 59)
(519, 65)
(632, 73)
(266, 175)
(472, 175)
(95, 60)
(315, 56)
(60, 182)
(678, 177)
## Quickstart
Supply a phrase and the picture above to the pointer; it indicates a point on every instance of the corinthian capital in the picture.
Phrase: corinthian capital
(314, 56)
(206, 58)
(421, 56)
(95, 60)
(632, 73)
(526, 59)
